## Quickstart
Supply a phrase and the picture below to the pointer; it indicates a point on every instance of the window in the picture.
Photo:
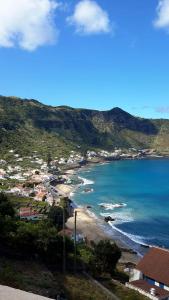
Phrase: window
(150, 280)
(161, 285)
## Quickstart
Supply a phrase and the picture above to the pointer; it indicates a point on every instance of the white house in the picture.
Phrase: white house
(151, 275)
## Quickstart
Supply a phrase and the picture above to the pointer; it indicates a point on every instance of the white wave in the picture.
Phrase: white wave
(87, 191)
(135, 238)
(86, 181)
(110, 206)
(119, 217)
(92, 214)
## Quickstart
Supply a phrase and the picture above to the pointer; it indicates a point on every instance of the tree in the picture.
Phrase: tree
(65, 204)
(55, 216)
(6, 207)
(106, 256)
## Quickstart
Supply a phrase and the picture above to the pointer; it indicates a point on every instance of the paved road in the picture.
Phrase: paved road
(7, 293)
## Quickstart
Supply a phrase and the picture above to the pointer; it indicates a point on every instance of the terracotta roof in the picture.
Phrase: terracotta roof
(27, 212)
(155, 264)
(145, 286)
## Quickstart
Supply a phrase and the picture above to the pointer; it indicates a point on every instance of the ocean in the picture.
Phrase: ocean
(135, 193)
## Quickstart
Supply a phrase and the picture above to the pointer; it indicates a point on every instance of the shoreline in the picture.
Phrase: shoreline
(94, 228)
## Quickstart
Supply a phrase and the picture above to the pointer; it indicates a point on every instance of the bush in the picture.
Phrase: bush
(9, 277)
(106, 256)
(6, 207)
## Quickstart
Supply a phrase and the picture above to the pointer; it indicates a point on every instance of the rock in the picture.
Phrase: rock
(107, 219)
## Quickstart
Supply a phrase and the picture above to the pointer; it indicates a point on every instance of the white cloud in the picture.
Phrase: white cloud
(162, 20)
(90, 18)
(27, 23)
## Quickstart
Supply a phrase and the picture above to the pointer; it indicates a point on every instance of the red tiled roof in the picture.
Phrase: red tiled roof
(145, 286)
(155, 264)
(27, 212)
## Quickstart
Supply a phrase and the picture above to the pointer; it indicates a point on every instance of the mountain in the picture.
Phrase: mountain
(28, 125)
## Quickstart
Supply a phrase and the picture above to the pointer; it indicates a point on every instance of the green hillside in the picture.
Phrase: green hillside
(28, 125)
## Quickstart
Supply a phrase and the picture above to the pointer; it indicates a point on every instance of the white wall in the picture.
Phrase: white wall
(135, 275)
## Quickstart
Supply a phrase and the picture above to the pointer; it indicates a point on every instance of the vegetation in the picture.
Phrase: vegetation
(6, 207)
(31, 256)
(37, 278)
(100, 258)
(29, 239)
(55, 216)
(121, 291)
(54, 131)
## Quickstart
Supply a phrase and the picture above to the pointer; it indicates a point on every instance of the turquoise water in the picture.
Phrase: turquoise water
(143, 186)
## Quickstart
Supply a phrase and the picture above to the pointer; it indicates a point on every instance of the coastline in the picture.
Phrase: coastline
(94, 228)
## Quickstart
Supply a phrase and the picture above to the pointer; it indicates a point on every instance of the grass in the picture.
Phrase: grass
(28, 276)
(121, 291)
(40, 206)
(81, 288)
(35, 277)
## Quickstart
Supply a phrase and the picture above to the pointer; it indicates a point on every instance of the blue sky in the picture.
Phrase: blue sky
(93, 54)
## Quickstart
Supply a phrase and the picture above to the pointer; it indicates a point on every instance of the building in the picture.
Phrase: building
(29, 214)
(70, 234)
(151, 276)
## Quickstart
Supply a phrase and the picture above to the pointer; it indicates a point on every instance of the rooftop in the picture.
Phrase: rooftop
(145, 286)
(155, 264)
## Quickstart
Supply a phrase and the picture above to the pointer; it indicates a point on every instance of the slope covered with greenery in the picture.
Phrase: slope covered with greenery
(28, 125)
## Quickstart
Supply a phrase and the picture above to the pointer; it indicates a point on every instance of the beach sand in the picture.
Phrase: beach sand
(65, 189)
(91, 228)
(87, 225)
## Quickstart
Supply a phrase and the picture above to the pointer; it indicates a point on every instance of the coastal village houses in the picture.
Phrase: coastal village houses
(151, 276)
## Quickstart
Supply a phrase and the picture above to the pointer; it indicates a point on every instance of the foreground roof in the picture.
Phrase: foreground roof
(146, 287)
(155, 264)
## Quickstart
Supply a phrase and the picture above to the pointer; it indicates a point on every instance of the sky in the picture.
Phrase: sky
(83, 53)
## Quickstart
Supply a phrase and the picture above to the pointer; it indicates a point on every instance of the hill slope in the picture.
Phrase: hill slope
(28, 125)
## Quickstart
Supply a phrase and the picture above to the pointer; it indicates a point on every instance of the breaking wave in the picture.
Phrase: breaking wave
(110, 206)
(135, 238)
(85, 181)
(119, 218)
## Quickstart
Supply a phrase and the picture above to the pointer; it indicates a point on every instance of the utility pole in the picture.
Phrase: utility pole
(64, 248)
(75, 250)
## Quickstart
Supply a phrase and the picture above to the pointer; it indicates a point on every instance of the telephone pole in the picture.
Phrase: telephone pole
(75, 250)
(64, 248)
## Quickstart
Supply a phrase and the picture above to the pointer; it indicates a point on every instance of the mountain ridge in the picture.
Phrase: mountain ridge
(67, 127)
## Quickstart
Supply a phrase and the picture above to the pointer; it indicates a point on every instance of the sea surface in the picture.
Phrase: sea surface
(142, 187)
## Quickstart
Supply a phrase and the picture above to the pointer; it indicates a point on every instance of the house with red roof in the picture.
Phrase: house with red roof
(151, 276)
(29, 214)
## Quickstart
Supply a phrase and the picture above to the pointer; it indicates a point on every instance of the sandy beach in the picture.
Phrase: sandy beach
(91, 229)
(65, 189)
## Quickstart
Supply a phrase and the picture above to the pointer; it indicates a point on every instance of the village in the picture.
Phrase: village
(48, 181)
(35, 185)
(38, 179)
